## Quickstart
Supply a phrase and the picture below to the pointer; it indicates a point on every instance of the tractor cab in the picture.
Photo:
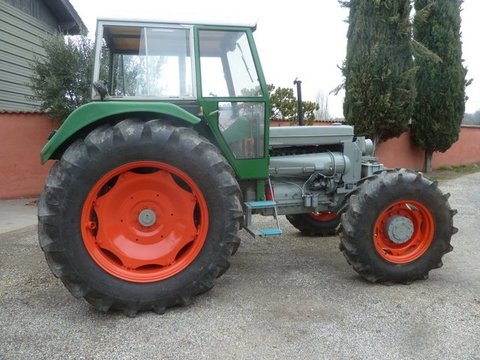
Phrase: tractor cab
(211, 71)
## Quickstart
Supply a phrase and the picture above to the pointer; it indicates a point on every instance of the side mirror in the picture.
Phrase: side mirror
(101, 88)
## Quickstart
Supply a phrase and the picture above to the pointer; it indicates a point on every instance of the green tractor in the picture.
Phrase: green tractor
(156, 176)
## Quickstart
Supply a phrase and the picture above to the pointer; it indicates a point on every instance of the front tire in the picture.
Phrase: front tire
(397, 227)
(139, 216)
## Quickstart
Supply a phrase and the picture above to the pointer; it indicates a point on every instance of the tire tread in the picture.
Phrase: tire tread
(106, 138)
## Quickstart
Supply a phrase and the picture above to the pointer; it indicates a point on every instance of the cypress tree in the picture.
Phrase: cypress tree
(378, 69)
(440, 102)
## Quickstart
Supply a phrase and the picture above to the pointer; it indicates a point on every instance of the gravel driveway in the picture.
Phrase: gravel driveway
(290, 297)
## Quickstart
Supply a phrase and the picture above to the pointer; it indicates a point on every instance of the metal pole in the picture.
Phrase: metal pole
(299, 99)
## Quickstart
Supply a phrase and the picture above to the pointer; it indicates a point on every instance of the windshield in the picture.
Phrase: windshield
(146, 62)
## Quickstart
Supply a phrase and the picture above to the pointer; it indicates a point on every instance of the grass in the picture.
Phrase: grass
(452, 172)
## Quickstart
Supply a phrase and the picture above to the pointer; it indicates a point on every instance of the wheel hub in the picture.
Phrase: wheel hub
(144, 221)
(399, 229)
(147, 217)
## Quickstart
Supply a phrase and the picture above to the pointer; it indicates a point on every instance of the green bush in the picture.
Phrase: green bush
(61, 80)
(285, 106)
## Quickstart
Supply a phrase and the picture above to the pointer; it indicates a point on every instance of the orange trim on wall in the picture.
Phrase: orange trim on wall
(22, 136)
(465, 151)
(400, 152)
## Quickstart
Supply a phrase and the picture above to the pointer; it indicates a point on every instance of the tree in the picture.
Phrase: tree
(378, 69)
(440, 102)
(284, 103)
(285, 106)
(310, 108)
(61, 81)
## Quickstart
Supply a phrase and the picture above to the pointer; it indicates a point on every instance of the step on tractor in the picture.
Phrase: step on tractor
(154, 178)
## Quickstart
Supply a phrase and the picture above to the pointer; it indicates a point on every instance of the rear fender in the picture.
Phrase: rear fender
(93, 112)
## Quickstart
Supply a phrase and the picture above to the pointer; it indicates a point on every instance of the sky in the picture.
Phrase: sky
(301, 39)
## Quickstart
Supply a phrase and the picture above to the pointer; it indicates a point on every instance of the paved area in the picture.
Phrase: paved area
(18, 213)
(291, 297)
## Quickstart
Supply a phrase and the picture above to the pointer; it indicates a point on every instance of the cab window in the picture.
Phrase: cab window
(227, 65)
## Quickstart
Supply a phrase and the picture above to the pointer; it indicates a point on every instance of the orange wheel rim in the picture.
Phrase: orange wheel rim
(404, 231)
(144, 221)
(322, 216)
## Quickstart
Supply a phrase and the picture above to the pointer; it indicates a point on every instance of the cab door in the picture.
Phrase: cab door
(234, 97)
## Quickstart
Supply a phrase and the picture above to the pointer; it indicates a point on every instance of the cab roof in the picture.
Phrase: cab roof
(187, 21)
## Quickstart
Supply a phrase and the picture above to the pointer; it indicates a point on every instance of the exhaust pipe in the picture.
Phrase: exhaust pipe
(299, 101)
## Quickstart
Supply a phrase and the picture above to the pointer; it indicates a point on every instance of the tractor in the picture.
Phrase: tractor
(155, 177)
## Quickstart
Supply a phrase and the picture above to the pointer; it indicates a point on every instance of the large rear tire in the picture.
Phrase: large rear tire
(315, 223)
(140, 216)
(397, 227)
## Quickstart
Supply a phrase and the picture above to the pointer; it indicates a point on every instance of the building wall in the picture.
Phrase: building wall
(22, 136)
(400, 152)
(23, 131)
(21, 36)
(35, 8)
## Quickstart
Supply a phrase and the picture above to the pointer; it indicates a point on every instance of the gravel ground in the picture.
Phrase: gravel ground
(290, 297)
